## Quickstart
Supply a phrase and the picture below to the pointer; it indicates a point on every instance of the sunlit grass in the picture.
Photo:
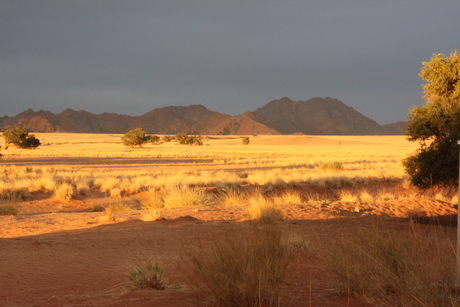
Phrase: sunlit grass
(275, 162)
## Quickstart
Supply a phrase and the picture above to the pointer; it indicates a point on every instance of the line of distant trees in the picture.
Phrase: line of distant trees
(137, 138)
(19, 137)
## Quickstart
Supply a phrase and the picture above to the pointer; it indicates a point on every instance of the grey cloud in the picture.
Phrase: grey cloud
(231, 56)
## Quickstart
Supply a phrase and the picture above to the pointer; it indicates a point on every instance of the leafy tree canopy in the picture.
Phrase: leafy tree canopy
(137, 138)
(20, 138)
(436, 125)
(185, 139)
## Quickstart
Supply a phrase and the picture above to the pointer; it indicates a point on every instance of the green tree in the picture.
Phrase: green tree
(185, 139)
(436, 125)
(135, 138)
(154, 139)
(168, 138)
(20, 137)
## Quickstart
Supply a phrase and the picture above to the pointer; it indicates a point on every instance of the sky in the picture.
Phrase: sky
(232, 56)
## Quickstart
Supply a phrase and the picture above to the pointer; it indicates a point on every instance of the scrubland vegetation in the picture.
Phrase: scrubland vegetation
(406, 265)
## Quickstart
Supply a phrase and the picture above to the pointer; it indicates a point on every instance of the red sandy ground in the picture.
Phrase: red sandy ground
(59, 255)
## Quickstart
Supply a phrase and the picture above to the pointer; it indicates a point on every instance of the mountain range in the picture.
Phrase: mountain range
(316, 116)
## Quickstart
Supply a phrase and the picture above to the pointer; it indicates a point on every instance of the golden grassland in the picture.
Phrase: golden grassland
(69, 164)
(267, 158)
(81, 163)
(358, 172)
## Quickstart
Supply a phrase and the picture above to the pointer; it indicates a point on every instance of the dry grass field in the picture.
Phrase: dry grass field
(284, 221)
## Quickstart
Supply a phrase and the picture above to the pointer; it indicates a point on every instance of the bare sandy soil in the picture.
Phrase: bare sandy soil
(63, 255)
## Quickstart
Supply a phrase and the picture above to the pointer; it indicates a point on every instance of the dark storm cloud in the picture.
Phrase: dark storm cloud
(231, 56)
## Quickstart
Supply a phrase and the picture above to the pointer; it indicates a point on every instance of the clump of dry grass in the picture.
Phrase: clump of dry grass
(348, 196)
(440, 196)
(243, 270)
(15, 195)
(149, 275)
(115, 192)
(332, 165)
(232, 197)
(118, 206)
(228, 182)
(385, 195)
(278, 183)
(298, 242)
(154, 200)
(151, 215)
(263, 209)
(404, 266)
(366, 197)
(107, 183)
(288, 197)
(96, 207)
(314, 197)
(64, 192)
(152, 205)
(82, 189)
(184, 196)
(9, 209)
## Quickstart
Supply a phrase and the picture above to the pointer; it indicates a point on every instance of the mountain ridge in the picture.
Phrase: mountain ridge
(316, 116)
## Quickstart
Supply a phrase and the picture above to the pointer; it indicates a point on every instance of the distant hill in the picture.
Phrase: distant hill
(317, 116)
(396, 128)
(320, 116)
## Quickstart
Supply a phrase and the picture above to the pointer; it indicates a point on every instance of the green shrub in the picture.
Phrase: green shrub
(135, 138)
(185, 139)
(20, 138)
(168, 138)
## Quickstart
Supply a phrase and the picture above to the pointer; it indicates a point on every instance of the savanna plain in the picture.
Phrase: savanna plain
(290, 220)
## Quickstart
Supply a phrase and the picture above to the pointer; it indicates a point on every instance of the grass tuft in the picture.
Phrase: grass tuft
(365, 197)
(232, 197)
(9, 209)
(15, 195)
(119, 206)
(95, 207)
(288, 197)
(348, 197)
(154, 200)
(264, 210)
(333, 165)
(185, 197)
(243, 270)
(64, 192)
(385, 195)
(393, 264)
(149, 275)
